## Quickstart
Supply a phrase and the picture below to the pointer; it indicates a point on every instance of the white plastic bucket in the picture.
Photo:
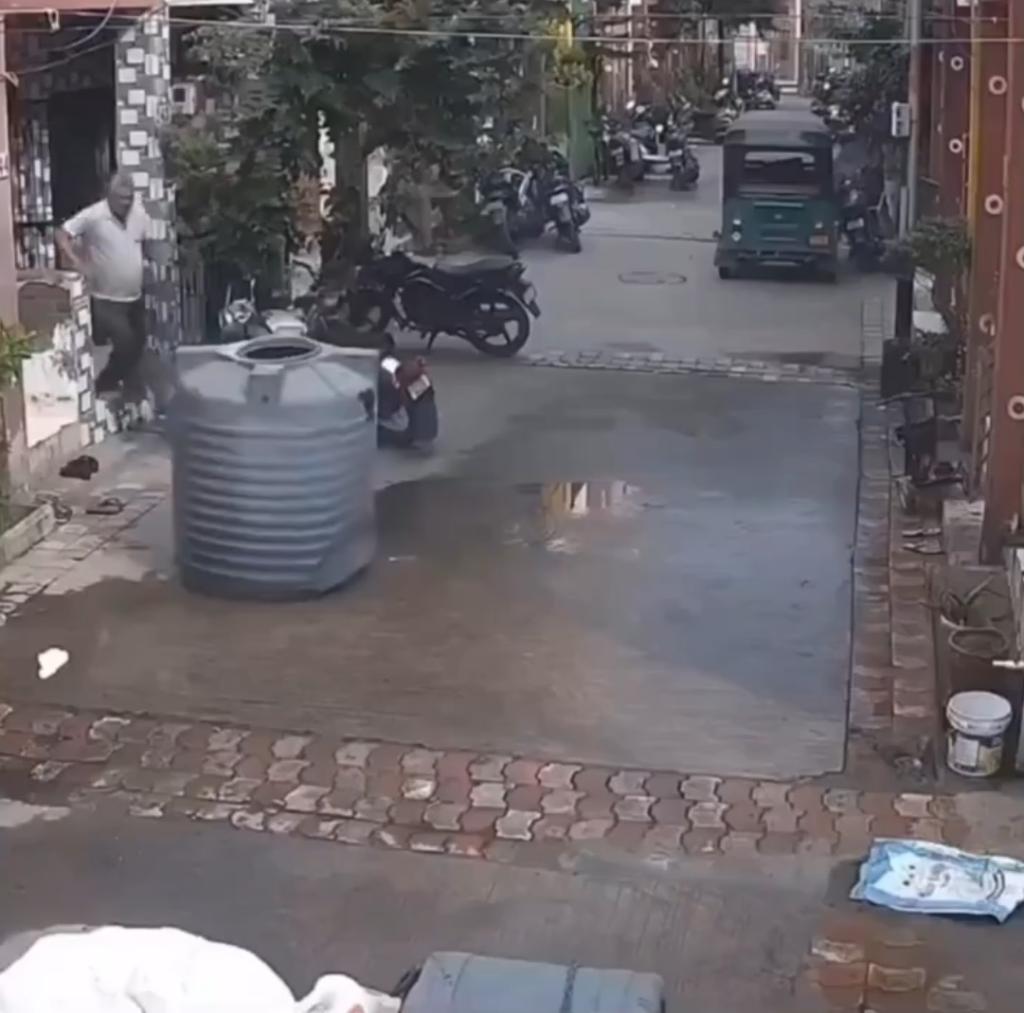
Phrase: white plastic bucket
(977, 724)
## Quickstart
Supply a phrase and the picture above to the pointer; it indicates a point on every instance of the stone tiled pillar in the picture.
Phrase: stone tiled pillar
(142, 65)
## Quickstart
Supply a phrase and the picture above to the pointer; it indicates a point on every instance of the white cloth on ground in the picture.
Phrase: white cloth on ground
(160, 970)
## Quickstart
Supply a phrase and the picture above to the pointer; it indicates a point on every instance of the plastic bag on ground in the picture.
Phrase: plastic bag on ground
(916, 876)
(160, 970)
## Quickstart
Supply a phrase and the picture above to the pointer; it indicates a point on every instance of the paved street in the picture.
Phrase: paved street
(621, 569)
(605, 644)
(646, 282)
(310, 906)
(633, 570)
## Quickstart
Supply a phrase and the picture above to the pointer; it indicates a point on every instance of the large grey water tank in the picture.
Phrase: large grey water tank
(273, 443)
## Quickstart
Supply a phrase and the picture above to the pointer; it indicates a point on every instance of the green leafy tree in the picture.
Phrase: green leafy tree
(420, 79)
(879, 76)
(684, 18)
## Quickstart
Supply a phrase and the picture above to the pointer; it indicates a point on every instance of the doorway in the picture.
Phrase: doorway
(81, 148)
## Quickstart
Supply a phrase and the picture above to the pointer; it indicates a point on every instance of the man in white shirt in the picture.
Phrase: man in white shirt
(104, 242)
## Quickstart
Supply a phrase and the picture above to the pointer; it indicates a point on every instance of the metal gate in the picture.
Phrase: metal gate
(192, 281)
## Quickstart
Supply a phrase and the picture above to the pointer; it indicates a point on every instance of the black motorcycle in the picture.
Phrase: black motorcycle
(487, 302)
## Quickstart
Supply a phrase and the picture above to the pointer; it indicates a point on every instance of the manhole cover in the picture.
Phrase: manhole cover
(651, 278)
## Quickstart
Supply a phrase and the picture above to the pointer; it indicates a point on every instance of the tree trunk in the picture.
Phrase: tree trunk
(350, 185)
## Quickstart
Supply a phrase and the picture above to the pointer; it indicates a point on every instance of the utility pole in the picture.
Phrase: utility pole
(908, 206)
(914, 100)
(8, 272)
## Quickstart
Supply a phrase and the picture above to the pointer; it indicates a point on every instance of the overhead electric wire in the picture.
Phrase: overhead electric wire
(608, 16)
(77, 43)
(378, 26)
(343, 26)
(19, 72)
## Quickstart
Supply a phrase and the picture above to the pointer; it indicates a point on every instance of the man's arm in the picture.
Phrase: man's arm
(66, 244)
(68, 236)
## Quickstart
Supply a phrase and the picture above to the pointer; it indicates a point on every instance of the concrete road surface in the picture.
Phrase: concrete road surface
(723, 938)
(727, 935)
(628, 570)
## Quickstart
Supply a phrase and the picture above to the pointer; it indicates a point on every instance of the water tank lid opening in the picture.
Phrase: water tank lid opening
(279, 349)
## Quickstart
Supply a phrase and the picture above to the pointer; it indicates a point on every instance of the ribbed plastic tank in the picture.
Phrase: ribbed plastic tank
(273, 442)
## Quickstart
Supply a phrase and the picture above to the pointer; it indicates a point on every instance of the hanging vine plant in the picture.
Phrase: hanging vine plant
(571, 67)
(941, 246)
(15, 348)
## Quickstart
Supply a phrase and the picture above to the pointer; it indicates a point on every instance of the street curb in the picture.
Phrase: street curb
(729, 368)
(20, 537)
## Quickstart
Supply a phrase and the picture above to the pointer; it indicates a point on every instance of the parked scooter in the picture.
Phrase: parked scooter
(860, 226)
(763, 99)
(729, 107)
(487, 302)
(683, 164)
(406, 403)
(642, 127)
(623, 154)
(562, 200)
(499, 198)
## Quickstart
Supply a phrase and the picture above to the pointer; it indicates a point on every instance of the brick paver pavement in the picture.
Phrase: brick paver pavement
(429, 799)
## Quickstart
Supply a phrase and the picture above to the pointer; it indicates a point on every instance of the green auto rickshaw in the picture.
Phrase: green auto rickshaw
(779, 204)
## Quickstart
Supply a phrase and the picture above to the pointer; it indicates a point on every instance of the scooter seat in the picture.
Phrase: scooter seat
(479, 265)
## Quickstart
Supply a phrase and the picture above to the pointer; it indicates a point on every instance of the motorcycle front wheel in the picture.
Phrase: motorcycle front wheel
(569, 236)
(499, 323)
(370, 309)
(502, 237)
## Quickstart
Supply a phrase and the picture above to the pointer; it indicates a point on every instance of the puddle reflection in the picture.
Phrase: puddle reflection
(555, 525)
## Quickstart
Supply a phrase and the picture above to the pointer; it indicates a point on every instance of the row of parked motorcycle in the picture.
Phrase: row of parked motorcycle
(827, 102)
(521, 201)
(743, 91)
(645, 139)
(486, 301)
(860, 189)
